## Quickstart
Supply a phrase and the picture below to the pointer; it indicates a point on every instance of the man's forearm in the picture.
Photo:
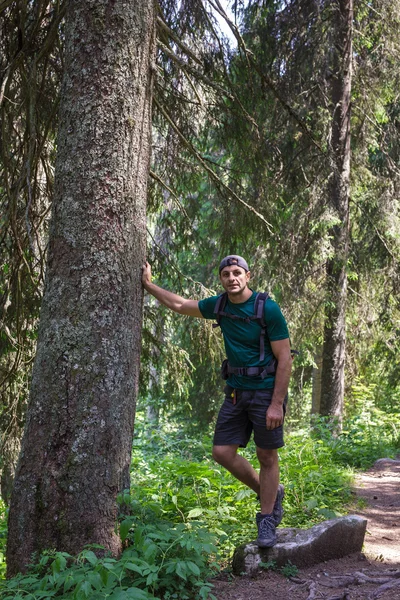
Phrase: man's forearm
(282, 378)
(182, 306)
(169, 299)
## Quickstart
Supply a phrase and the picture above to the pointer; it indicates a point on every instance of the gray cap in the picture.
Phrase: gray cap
(233, 259)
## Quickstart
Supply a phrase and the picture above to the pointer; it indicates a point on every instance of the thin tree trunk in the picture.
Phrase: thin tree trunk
(335, 314)
(76, 449)
(316, 382)
(11, 426)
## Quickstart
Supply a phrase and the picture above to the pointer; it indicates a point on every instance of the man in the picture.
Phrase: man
(257, 384)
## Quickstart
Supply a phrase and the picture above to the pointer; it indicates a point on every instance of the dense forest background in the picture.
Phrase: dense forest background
(279, 143)
(266, 150)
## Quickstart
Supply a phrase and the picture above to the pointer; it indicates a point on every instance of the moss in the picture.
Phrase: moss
(62, 524)
(238, 560)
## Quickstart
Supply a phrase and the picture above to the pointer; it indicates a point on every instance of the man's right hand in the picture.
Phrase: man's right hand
(146, 274)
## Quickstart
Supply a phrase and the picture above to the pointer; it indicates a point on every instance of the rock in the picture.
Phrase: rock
(385, 463)
(305, 547)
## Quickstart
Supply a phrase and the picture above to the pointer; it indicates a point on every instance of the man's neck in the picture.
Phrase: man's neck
(242, 297)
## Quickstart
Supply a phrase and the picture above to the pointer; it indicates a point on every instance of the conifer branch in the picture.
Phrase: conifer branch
(205, 291)
(228, 78)
(252, 61)
(186, 67)
(5, 5)
(217, 180)
(170, 191)
(378, 233)
(233, 27)
(178, 42)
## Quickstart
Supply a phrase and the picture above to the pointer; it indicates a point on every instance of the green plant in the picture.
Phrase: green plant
(364, 437)
(185, 515)
(172, 558)
(167, 564)
(289, 570)
(59, 575)
(161, 559)
(270, 565)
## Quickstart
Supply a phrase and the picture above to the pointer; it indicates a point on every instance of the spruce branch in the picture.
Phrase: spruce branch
(234, 96)
(170, 191)
(186, 67)
(178, 41)
(264, 77)
(215, 178)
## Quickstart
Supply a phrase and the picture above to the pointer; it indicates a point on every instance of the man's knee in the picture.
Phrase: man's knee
(224, 455)
(267, 458)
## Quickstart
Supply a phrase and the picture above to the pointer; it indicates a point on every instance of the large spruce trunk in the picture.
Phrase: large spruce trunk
(76, 448)
(332, 379)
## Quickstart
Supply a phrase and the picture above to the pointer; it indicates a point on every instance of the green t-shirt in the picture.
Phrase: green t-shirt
(242, 340)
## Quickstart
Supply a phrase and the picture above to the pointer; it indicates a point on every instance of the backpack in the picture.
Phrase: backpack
(258, 316)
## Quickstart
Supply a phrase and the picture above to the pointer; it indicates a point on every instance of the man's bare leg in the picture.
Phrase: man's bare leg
(269, 478)
(265, 484)
(236, 464)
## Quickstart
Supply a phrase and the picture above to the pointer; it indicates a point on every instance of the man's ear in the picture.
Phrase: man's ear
(248, 275)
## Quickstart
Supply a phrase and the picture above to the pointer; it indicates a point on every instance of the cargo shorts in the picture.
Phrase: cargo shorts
(244, 414)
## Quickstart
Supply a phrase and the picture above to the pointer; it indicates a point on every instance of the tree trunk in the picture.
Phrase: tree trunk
(316, 382)
(76, 448)
(335, 312)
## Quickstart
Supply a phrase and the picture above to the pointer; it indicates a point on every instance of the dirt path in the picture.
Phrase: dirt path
(371, 575)
(381, 489)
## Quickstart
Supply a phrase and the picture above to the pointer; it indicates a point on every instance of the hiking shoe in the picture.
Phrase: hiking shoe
(266, 531)
(277, 512)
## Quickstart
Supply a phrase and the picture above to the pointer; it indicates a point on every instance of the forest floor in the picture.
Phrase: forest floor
(375, 573)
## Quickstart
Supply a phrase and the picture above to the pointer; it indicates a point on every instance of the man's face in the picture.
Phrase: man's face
(234, 279)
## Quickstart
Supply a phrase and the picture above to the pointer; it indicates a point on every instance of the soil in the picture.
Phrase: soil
(372, 574)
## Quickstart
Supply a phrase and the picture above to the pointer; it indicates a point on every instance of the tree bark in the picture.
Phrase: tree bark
(76, 448)
(338, 199)
(316, 382)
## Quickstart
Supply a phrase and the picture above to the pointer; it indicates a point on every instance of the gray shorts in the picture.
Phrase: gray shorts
(236, 422)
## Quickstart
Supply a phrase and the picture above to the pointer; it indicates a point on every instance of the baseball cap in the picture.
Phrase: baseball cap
(233, 259)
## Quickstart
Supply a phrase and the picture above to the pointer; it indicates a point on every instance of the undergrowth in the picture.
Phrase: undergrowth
(185, 515)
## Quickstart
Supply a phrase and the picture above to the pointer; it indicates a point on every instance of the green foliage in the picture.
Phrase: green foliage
(164, 561)
(287, 570)
(180, 556)
(180, 479)
(59, 575)
(363, 439)
(185, 515)
(316, 488)
(269, 565)
(274, 155)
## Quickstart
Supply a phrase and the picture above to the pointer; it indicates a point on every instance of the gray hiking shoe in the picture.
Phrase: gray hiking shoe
(266, 531)
(277, 512)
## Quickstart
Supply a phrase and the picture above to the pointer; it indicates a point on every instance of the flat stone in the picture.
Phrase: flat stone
(386, 463)
(305, 547)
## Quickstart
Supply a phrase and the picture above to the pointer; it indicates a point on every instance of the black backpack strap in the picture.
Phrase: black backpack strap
(259, 305)
(219, 307)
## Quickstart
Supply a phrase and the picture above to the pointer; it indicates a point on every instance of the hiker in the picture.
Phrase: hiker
(257, 372)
